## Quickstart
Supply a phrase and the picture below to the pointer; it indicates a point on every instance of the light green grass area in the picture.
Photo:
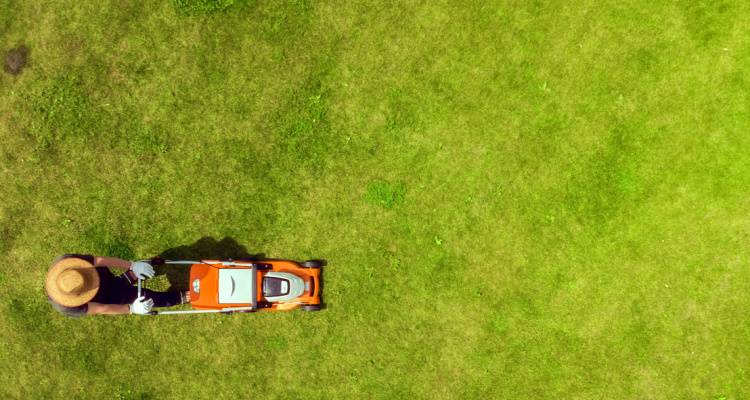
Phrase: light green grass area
(516, 200)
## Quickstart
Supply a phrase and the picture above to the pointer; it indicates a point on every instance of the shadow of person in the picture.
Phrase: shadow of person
(206, 248)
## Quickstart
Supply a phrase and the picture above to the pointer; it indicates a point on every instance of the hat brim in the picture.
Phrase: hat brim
(91, 277)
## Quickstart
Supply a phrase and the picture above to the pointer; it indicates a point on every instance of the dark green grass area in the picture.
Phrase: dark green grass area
(515, 199)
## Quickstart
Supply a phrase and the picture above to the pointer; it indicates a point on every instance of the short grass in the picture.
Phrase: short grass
(528, 200)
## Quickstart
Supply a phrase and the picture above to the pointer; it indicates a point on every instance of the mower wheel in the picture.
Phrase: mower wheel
(312, 307)
(313, 264)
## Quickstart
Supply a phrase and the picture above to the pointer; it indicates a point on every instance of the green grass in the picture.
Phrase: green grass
(515, 199)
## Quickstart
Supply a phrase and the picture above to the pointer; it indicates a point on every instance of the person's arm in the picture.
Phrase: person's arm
(141, 268)
(112, 262)
(141, 305)
(108, 309)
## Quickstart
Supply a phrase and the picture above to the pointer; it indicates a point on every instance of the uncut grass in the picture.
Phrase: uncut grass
(540, 201)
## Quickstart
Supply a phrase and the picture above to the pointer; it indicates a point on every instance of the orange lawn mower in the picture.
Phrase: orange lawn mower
(248, 286)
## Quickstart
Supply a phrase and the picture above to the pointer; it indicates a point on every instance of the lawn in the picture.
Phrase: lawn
(516, 199)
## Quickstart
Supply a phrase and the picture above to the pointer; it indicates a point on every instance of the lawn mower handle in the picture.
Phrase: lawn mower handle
(152, 261)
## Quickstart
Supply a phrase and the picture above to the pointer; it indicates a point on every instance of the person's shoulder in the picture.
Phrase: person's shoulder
(74, 312)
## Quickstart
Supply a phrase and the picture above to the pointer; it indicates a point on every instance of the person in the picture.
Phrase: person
(79, 285)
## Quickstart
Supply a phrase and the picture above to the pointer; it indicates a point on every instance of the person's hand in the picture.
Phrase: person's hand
(142, 269)
(141, 306)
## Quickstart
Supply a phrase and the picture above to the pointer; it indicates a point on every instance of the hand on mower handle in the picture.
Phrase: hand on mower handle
(141, 306)
(142, 269)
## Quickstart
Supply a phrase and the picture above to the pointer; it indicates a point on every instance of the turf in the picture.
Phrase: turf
(515, 199)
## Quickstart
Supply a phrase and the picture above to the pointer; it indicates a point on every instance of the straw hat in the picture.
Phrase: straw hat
(72, 282)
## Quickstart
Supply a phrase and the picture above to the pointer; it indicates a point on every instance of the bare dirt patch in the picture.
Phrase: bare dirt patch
(15, 60)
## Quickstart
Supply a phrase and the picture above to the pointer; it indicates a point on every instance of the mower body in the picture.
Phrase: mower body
(268, 285)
